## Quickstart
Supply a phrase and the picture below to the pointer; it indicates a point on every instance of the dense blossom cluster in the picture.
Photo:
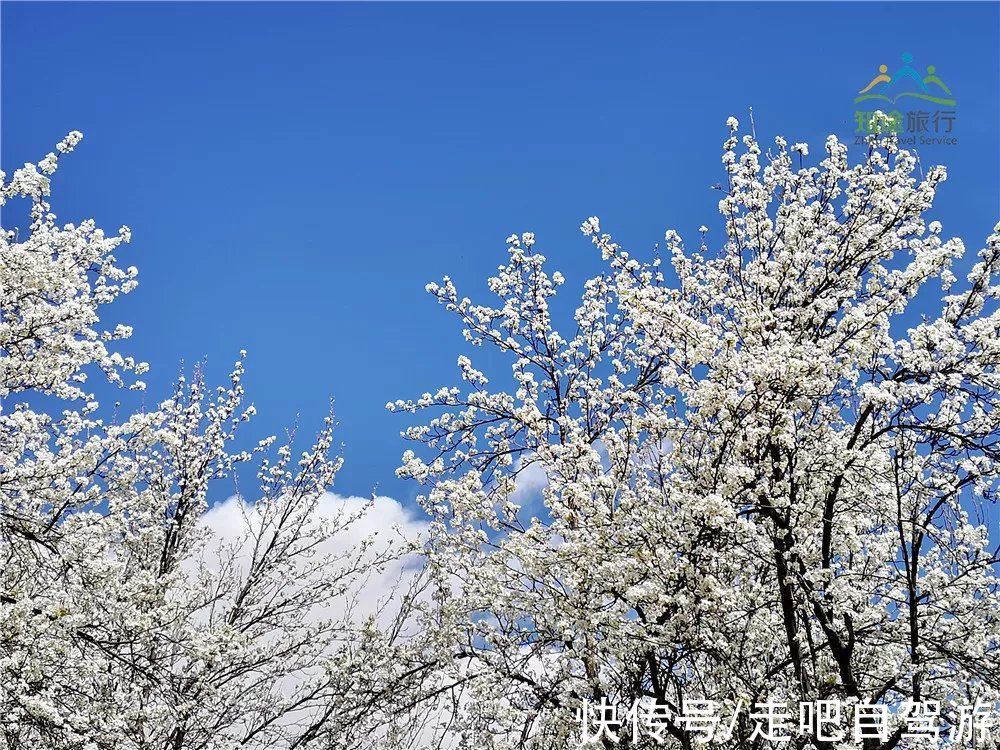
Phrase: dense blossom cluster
(124, 622)
(750, 478)
(765, 475)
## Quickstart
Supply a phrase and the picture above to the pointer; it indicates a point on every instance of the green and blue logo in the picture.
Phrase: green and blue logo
(905, 83)
(918, 106)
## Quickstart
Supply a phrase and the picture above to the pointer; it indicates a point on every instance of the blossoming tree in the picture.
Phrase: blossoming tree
(124, 622)
(766, 481)
(767, 475)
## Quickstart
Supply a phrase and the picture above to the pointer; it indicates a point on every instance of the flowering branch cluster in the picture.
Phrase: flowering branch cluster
(126, 621)
(751, 476)
(764, 476)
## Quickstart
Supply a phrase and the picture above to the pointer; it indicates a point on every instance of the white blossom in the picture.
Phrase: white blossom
(125, 622)
(763, 480)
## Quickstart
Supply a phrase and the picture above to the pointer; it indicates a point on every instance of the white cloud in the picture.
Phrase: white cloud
(386, 521)
(531, 480)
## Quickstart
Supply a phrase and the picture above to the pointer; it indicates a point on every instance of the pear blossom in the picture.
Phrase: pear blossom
(126, 621)
(765, 475)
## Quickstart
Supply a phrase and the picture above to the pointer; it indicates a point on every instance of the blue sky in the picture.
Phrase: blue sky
(294, 174)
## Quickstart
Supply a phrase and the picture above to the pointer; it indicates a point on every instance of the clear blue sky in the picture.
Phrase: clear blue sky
(294, 174)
